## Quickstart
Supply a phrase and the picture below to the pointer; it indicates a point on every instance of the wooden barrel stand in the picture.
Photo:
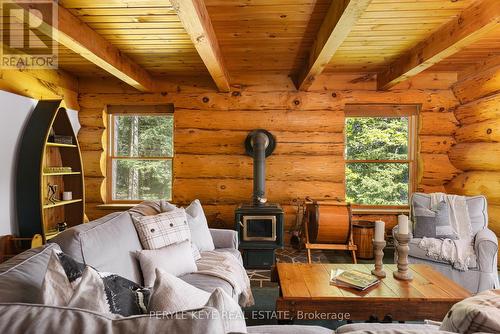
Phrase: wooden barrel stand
(328, 226)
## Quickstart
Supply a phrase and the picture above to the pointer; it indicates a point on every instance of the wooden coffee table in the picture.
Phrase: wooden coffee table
(305, 293)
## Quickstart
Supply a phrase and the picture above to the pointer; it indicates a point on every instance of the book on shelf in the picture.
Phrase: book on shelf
(352, 279)
(57, 169)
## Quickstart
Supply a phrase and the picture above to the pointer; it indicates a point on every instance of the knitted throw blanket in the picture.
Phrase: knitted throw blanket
(226, 266)
(460, 253)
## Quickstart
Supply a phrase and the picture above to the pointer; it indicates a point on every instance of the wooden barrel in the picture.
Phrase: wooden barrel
(328, 224)
(362, 235)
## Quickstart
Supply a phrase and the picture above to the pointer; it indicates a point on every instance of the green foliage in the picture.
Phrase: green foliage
(142, 137)
(375, 138)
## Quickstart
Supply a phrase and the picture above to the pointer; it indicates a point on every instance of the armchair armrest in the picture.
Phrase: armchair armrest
(486, 248)
(224, 238)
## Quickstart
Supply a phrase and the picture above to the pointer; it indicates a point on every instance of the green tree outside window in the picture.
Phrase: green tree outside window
(142, 157)
(377, 160)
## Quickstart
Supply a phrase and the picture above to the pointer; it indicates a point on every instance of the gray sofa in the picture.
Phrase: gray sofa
(108, 244)
(484, 276)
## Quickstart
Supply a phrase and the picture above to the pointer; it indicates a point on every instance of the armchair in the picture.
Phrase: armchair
(484, 275)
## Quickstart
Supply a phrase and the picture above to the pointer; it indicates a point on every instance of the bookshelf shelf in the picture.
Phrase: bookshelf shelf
(61, 173)
(60, 145)
(56, 204)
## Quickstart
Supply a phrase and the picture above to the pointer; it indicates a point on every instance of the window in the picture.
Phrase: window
(140, 157)
(380, 154)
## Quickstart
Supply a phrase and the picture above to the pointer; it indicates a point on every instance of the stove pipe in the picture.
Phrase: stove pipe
(259, 144)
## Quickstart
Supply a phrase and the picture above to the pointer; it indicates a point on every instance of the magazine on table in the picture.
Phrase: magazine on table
(352, 279)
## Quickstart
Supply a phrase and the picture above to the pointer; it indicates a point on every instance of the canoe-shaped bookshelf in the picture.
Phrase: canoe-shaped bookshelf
(44, 164)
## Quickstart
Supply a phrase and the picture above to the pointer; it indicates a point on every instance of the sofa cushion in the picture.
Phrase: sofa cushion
(389, 328)
(176, 259)
(21, 277)
(108, 244)
(288, 329)
(23, 318)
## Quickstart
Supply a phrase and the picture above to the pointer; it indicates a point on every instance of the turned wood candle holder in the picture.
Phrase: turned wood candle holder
(378, 250)
(403, 273)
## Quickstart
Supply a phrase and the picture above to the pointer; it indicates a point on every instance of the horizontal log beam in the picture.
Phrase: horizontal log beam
(194, 17)
(83, 40)
(472, 24)
(341, 17)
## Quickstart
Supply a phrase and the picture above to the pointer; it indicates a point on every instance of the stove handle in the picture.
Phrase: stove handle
(241, 224)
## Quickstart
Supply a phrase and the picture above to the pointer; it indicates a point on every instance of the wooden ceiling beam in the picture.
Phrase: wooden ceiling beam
(473, 23)
(341, 17)
(81, 39)
(194, 17)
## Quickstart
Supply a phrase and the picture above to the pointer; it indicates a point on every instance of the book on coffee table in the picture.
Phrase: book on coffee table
(352, 279)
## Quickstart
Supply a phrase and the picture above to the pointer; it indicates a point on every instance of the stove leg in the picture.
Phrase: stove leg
(285, 321)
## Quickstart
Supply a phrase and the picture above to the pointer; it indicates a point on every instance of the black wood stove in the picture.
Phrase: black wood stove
(259, 224)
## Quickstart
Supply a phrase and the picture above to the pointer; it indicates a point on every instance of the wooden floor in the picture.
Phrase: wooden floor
(306, 288)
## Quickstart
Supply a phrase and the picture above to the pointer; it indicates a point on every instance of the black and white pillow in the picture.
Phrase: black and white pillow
(123, 296)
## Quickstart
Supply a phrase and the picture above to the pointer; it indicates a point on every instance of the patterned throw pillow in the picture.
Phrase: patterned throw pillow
(67, 280)
(163, 229)
(433, 224)
(477, 314)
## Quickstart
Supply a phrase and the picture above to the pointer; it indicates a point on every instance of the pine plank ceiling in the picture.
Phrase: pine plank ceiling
(274, 36)
(148, 31)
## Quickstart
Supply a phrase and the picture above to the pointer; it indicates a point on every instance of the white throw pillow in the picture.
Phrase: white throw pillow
(163, 229)
(57, 290)
(229, 310)
(90, 293)
(171, 294)
(176, 259)
(200, 233)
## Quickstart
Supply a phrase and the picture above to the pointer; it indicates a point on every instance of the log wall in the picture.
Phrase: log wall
(210, 129)
(477, 152)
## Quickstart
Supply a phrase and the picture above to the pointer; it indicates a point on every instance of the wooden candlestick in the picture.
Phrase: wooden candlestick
(403, 273)
(378, 249)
